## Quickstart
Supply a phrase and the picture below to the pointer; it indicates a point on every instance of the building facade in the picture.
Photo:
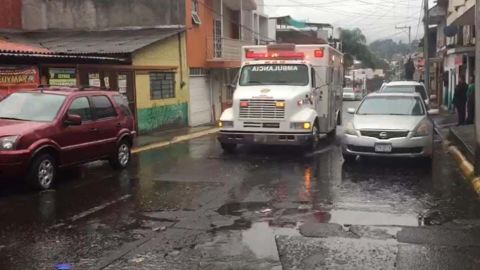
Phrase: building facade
(455, 20)
(216, 31)
(138, 49)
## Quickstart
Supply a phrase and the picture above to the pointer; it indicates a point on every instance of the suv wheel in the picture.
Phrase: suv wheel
(43, 171)
(122, 155)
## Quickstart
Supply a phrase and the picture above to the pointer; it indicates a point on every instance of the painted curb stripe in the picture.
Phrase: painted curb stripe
(466, 167)
(177, 139)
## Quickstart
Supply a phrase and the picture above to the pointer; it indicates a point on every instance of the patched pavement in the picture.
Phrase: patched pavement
(190, 206)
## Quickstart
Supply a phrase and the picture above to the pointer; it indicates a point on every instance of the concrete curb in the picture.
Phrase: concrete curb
(465, 166)
(175, 140)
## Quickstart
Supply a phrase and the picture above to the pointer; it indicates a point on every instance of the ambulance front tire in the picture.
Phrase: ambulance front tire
(229, 147)
(339, 118)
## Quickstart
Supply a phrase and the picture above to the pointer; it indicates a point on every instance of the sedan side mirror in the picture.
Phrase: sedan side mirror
(433, 97)
(351, 110)
(72, 120)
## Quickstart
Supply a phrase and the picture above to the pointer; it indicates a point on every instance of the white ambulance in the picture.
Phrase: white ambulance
(286, 94)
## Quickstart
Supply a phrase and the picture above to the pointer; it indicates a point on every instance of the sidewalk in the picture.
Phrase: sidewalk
(464, 138)
(162, 138)
(460, 142)
(443, 122)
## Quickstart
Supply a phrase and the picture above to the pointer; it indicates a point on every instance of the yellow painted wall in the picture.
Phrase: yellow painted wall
(162, 53)
(162, 113)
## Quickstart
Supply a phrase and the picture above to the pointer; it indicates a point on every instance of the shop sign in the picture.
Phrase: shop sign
(458, 60)
(16, 77)
(94, 80)
(62, 77)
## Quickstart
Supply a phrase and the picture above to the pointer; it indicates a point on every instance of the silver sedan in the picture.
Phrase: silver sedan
(351, 94)
(391, 125)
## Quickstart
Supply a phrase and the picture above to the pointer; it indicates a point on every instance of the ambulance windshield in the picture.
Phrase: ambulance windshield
(277, 74)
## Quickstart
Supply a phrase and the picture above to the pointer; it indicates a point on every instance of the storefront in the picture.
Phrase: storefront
(147, 66)
(18, 77)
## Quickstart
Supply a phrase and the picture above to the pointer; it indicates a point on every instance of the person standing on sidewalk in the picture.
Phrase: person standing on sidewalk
(409, 69)
(471, 101)
(460, 100)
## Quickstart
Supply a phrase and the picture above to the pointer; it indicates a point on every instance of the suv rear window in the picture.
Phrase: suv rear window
(81, 107)
(122, 103)
(103, 107)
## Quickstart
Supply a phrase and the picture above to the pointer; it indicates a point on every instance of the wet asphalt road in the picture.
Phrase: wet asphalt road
(190, 206)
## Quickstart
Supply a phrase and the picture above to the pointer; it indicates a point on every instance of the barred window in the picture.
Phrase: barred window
(162, 85)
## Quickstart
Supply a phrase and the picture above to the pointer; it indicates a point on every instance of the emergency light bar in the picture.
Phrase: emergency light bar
(275, 55)
(281, 54)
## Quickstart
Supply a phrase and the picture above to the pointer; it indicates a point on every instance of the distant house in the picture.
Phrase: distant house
(216, 31)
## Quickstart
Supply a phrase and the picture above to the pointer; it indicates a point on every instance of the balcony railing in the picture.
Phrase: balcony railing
(222, 48)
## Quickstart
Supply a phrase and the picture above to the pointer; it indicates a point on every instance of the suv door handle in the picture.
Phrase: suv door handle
(119, 125)
(94, 129)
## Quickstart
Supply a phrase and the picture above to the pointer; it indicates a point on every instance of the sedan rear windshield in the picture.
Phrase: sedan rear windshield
(406, 89)
(348, 90)
(391, 106)
(38, 107)
(274, 75)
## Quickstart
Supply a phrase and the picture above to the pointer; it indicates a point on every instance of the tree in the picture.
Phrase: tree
(355, 47)
(387, 48)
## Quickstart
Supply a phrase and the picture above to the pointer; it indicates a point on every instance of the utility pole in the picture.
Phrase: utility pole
(409, 32)
(477, 86)
(426, 57)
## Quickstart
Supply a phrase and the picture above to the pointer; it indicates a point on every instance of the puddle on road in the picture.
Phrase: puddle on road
(372, 218)
(260, 239)
(257, 240)
(236, 208)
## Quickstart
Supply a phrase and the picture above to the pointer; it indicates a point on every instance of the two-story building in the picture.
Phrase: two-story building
(455, 20)
(215, 32)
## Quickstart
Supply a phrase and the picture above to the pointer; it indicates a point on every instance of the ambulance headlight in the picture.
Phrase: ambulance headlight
(301, 125)
(225, 124)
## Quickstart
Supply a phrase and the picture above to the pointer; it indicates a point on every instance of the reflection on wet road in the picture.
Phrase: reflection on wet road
(238, 202)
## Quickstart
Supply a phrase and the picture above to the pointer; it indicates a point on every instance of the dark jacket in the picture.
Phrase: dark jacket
(460, 95)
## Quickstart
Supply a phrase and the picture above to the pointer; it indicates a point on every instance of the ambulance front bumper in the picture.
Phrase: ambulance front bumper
(266, 138)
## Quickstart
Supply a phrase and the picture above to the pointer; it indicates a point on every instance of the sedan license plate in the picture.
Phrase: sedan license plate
(383, 148)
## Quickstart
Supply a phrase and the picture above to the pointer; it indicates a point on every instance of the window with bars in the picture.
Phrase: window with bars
(162, 85)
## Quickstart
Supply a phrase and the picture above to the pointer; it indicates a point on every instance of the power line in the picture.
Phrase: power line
(419, 19)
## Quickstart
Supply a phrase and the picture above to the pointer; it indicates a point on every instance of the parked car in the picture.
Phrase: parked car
(42, 131)
(352, 94)
(391, 125)
(406, 87)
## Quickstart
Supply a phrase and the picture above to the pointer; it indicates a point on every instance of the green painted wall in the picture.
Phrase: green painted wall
(157, 117)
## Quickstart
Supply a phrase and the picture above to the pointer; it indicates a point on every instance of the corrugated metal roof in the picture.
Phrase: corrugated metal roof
(92, 42)
(14, 47)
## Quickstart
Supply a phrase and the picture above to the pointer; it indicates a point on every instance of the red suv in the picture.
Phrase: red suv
(51, 128)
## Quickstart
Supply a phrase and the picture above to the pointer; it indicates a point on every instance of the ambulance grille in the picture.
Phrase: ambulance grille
(262, 109)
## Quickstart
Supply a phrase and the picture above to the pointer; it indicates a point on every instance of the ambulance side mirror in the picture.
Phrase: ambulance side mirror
(232, 86)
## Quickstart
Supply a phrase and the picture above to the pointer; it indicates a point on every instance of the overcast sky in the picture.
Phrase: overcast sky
(376, 18)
